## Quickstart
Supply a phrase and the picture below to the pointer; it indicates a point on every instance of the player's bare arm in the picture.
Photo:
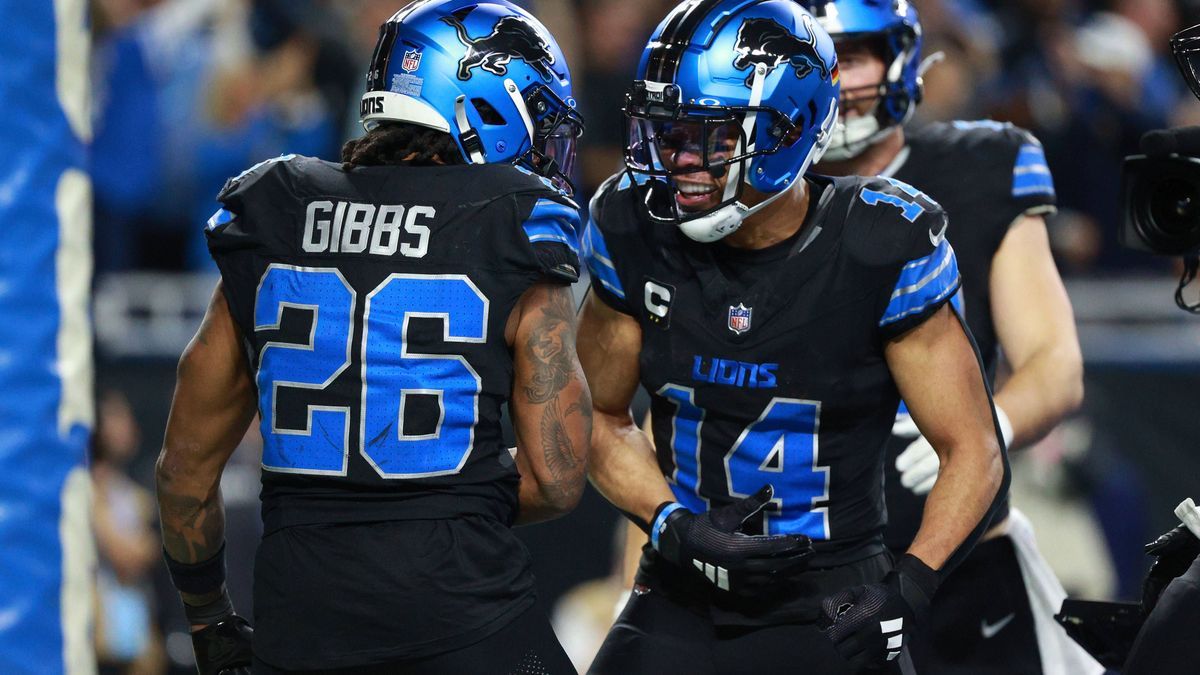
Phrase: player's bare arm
(213, 404)
(552, 409)
(938, 375)
(623, 464)
(1036, 327)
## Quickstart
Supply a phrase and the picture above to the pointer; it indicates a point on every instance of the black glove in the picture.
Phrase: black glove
(869, 624)
(712, 544)
(224, 648)
(1173, 553)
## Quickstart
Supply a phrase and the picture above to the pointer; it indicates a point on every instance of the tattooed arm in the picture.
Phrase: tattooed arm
(551, 407)
(214, 402)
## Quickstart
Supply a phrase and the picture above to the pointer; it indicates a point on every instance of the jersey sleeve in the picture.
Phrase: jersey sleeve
(235, 233)
(1032, 183)
(923, 270)
(601, 264)
(552, 228)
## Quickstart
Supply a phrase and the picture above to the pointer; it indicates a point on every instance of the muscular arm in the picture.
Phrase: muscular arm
(939, 378)
(1036, 328)
(213, 404)
(550, 405)
(623, 465)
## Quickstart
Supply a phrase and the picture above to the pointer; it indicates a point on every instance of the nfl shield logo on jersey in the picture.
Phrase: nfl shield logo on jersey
(739, 318)
(412, 61)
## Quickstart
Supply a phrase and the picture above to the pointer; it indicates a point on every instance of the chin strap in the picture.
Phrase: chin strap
(466, 135)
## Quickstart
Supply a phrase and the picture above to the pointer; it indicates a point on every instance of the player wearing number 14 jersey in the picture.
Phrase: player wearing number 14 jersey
(775, 318)
(377, 314)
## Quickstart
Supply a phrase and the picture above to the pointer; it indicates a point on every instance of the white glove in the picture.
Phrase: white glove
(918, 464)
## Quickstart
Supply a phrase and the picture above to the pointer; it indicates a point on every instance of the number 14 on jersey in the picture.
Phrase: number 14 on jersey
(779, 448)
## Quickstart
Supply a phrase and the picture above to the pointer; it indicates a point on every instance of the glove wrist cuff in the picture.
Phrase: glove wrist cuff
(924, 577)
(659, 523)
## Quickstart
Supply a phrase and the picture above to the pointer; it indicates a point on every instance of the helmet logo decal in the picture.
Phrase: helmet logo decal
(766, 41)
(513, 37)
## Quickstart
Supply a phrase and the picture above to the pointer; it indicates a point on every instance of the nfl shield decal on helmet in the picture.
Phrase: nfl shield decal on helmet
(412, 60)
(739, 318)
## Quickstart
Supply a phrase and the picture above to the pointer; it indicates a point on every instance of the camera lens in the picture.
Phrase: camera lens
(1162, 204)
(1175, 206)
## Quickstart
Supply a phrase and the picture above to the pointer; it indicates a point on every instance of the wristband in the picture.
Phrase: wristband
(925, 577)
(210, 612)
(1006, 427)
(660, 520)
(198, 578)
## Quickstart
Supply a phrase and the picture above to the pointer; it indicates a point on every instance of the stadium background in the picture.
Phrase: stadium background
(189, 92)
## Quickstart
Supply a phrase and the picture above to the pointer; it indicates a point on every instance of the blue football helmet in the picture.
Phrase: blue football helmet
(749, 86)
(894, 28)
(484, 71)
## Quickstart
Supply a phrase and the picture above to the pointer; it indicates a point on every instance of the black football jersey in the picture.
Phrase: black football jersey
(373, 304)
(985, 175)
(776, 373)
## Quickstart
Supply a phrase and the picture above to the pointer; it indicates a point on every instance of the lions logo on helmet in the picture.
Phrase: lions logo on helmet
(766, 41)
(513, 37)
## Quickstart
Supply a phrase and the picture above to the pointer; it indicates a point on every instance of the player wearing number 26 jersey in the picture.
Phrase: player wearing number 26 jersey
(377, 314)
(775, 318)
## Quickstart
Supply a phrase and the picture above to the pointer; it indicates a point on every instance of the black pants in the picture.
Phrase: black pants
(981, 622)
(527, 646)
(1167, 644)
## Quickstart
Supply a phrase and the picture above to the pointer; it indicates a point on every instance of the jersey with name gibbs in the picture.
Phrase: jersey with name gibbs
(373, 304)
(775, 373)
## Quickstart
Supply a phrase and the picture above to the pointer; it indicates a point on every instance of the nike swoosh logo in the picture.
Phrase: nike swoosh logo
(989, 630)
(937, 239)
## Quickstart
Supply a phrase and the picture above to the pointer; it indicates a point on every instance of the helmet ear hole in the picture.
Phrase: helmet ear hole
(487, 112)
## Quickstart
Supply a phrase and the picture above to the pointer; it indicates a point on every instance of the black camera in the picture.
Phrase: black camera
(1161, 187)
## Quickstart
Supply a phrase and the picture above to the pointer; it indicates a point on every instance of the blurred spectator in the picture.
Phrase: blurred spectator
(127, 640)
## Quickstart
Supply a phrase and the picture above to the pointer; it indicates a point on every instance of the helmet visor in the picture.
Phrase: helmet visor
(681, 146)
(1186, 46)
(556, 130)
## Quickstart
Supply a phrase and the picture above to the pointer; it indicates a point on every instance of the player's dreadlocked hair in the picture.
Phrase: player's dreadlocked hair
(400, 143)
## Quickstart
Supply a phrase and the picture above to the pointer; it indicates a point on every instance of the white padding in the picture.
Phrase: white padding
(395, 107)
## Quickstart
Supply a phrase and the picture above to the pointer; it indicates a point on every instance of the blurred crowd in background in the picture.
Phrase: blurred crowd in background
(188, 93)
(191, 92)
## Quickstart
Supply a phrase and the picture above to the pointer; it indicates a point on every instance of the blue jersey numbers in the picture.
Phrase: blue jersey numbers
(779, 448)
(392, 375)
(320, 446)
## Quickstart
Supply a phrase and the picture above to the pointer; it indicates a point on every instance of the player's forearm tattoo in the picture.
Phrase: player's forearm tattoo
(192, 528)
(551, 349)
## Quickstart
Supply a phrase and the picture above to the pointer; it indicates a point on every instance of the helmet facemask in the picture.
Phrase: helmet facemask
(893, 102)
(675, 150)
(556, 128)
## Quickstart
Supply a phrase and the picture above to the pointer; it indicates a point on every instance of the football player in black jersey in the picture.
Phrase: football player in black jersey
(776, 319)
(995, 613)
(377, 314)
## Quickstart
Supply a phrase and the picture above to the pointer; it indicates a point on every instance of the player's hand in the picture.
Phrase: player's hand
(224, 648)
(918, 464)
(712, 544)
(1173, 553)
(870, 624)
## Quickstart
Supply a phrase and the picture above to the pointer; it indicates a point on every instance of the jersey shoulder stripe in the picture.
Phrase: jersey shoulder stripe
(922, 283)
(551, 221)
(599, 260)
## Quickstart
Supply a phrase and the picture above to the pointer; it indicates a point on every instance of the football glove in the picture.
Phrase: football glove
(870, 624)
(712, 544)
(918, 464)
(224, 648)
(1173, 553)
